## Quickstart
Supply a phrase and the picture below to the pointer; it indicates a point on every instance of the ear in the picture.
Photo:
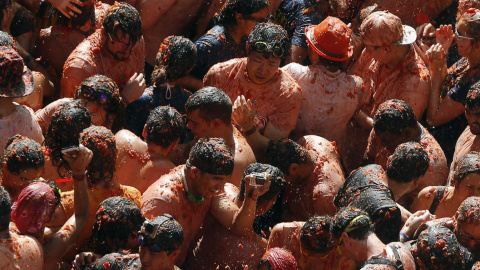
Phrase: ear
(346, 239)
(247, 48)
(408, 133)
(174, 254)
(239, 17)
(216, 123)
(144, 132)
(195, 172)
(293, 169)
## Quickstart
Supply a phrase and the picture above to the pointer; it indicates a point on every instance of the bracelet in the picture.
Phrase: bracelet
(27, 59)
(404, 236)
(124, 101)
(250, 131)
(78, 177)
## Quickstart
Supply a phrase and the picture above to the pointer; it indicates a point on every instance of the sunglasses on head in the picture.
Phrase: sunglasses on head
(262, 47)
(90, 94)
(460, 37)
(145, 242)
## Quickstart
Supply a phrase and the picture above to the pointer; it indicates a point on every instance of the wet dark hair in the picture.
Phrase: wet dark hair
(7, 40)
(117, 219)
(284, 152)
(471, 17)
(472, 101)
(126, 18)
(212, 102)
(272, 34)
(470, 163)
(358, 222)
(115, 261)
(22, 153)
(211, 155)
(64, 130)
(394, 116)
(277, 182)
(469, 210)
(407, 163)
(316, 234)
(226, 16)
(87, 8)
(101, 142)
(438, 248)
(5, 209)
(5, 3)
(170, 235)
(164, 126)
(175, 59)
(364, 190)
(114, 107)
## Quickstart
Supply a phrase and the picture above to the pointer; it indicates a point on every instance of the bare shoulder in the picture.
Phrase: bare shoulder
(424, 199)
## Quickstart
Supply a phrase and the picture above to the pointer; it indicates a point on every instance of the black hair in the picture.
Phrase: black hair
(272, 34)
(170, 235)
(164, 126)
(226, 16)
(394, 116)
(101, 142)
(7, 40)
(114, 107)
(277, 182)
(117, 219)
(5, 3)
(438, 248)
(472, 101)
(87, 8)
(64, 130)
(5, 209)
(212, 102)
(284, 152)
(469, 210)
(211, 155)
(407, 163)
(472, 20)
(175, 59)
(358, 223)
(126, 18)
(22, 153)
(470, 163)
(116, 261)
(316, 234)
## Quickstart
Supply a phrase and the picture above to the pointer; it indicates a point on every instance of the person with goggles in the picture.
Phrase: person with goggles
(267, 99)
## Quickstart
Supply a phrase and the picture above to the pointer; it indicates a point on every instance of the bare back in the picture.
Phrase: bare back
(20, 252)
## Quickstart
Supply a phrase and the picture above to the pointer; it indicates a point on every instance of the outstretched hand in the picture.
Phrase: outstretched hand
(134, 88)
(67, 7)
(243, 113)
(79, 160)
(445, 36)
(252, 187)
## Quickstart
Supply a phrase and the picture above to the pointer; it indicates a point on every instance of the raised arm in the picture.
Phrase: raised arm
(152, 10)
(65, 238)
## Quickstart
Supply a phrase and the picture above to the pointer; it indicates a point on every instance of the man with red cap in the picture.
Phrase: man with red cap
(278, 259)
(331, 97)
(390, 69)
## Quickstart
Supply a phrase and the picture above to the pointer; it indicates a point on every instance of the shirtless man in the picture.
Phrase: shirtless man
(311, 243)
(189, 192)
(209, 114)
(331, 98)
(313, 172)
(468, 141)
(238, 251)
(116, 51)
(258, 78)
(357, 241)
(394, 123)
(140, 163)
(16, 251)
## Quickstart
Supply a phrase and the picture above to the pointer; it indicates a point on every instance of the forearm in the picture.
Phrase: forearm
(434, 101)
(258, 143)
(82, 210)
(242, 222)
(363, 120)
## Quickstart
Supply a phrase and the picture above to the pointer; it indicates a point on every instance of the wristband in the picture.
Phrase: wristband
(124, 101)
(78, 177)
(250, 131)
(27, 59)
(404, 236)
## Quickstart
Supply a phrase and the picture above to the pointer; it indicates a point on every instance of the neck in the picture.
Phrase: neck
(367, 248)
(235, 33)
(189, 182)
(473, 61)
(399, 54)
(225, 132)
(157, 152)
(7, 106)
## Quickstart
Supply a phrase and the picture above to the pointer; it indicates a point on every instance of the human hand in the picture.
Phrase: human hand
(445, 36)
(83, 259)
(7, 19)
(257, 184)
(244, 113)
(78, 160)
(134, 88)
(415, 221)
(67, 7)
(436, 57)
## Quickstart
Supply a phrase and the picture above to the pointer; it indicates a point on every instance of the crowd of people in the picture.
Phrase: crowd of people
(240, 134)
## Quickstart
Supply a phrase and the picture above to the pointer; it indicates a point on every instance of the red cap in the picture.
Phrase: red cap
(330, 39)
(280, 259)
(34, 208)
